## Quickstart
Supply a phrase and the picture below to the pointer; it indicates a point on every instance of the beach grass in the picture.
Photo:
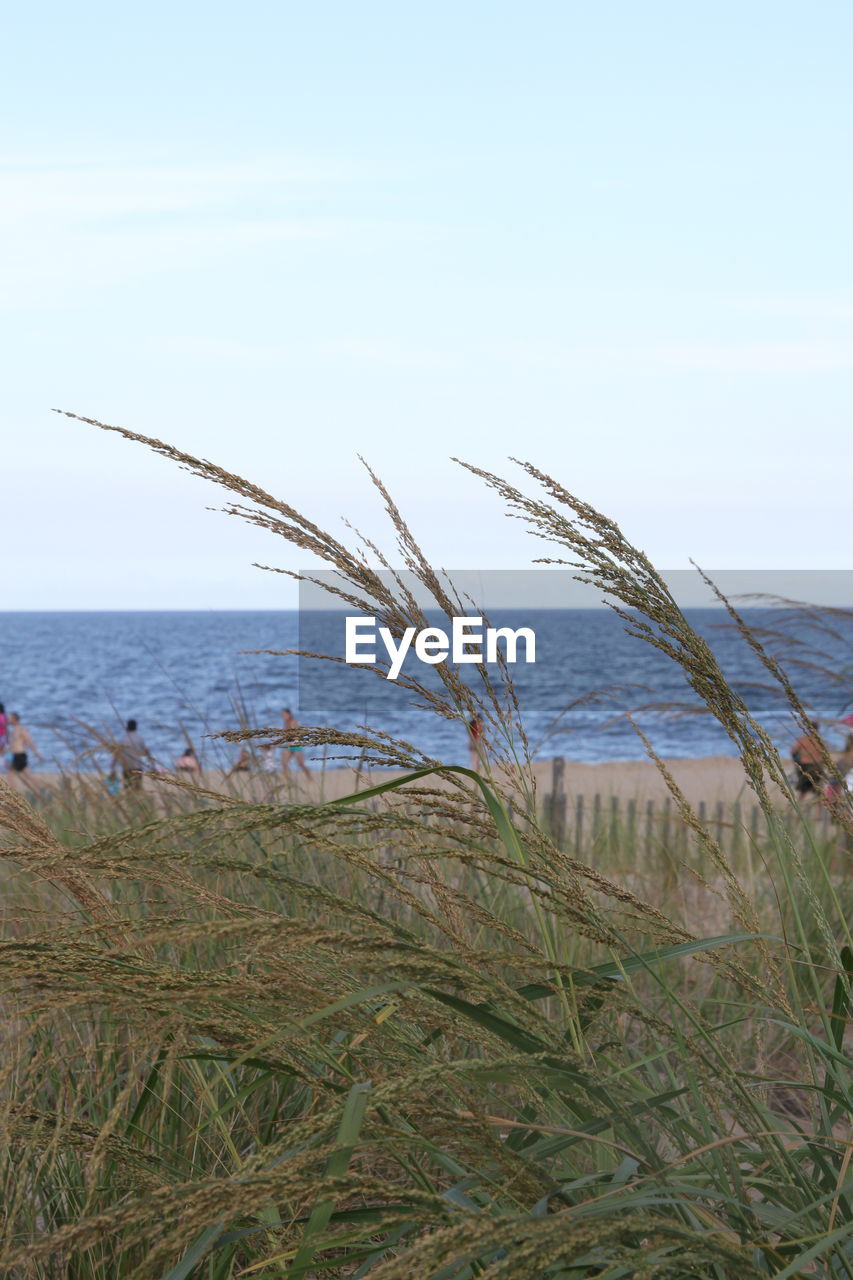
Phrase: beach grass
(408, 1033)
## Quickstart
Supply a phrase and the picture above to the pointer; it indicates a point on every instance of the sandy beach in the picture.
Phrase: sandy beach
(711, 779)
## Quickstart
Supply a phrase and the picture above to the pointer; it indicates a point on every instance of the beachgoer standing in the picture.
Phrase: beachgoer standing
(20, 743)
(133, 755)
(292, 752)
(3, 727)
(808, 757)
(268, 760)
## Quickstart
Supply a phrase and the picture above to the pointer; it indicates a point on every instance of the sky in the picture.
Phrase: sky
(610, 239)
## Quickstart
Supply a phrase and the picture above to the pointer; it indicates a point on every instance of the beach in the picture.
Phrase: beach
(710, 780)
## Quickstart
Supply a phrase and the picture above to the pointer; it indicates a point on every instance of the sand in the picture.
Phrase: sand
(711, 779)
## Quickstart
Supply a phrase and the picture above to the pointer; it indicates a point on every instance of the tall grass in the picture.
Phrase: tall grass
(405, 1034)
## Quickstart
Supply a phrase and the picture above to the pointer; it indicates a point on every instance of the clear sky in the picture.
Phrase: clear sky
(612, 238)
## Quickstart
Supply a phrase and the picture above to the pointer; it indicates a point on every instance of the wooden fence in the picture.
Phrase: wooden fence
(576, 822)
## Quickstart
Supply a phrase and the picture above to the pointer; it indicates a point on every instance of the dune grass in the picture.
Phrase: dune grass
(405, 1034)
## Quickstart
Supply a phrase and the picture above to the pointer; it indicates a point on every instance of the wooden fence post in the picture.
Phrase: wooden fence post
(737, 821)
(558, 800)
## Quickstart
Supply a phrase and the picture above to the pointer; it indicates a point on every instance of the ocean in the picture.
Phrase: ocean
(185, 676)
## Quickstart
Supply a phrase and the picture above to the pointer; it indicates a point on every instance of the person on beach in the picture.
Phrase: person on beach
(4, 725)
(475, 741)
(188, 762)
(269, 763)
(242, 764)
(838, 788)
(292, 752)
(20, 744)
(808, 757)
(132, 755)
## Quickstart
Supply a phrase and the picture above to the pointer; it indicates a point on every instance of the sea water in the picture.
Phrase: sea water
(187, 676)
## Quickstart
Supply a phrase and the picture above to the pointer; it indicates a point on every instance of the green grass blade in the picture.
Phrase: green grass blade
(195, 1253)
(841, 998)
(348, 1131)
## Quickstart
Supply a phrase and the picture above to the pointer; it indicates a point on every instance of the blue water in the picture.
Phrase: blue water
(76, 677)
